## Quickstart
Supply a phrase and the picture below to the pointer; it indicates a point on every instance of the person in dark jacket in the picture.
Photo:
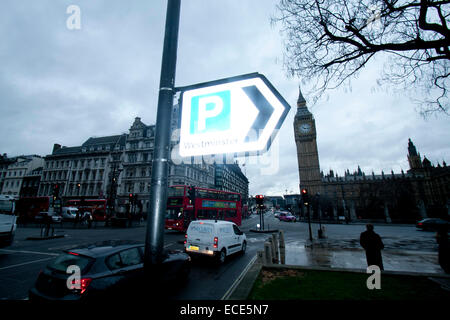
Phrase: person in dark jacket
(444, 248)
(372, 244)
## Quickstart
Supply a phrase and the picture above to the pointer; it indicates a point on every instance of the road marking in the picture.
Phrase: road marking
(23, 264)
(239, 279)
(30, 252)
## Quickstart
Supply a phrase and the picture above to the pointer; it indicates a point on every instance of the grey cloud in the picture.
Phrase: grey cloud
(64, 86)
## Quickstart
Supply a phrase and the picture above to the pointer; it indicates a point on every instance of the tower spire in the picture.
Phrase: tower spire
(301, 100)
(411, 148)
(413, 156)
(302, 109)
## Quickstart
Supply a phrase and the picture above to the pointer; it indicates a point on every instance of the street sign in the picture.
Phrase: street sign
(232, 115)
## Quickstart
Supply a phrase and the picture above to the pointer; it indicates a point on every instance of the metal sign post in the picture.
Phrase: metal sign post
(154, 242)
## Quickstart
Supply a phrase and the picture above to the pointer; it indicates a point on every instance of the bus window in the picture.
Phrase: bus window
(201, 214)
(176, 192)
(188, 216)
(230, 214)
(207, 214)
(174, 213)
(213, 214)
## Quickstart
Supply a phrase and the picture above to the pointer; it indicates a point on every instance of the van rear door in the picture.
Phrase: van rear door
(7, 221)
(200, 234)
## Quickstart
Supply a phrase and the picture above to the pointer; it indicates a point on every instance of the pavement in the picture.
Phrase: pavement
(340, 254)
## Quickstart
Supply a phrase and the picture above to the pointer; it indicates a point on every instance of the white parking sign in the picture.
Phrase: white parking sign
(232, 115)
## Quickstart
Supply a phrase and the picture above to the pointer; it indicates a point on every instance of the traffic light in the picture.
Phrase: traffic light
(305, 196)
(191, 194)
(259, 200)
(56, 191)
(130, 198)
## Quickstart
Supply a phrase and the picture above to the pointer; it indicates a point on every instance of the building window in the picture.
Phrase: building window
(132, 158)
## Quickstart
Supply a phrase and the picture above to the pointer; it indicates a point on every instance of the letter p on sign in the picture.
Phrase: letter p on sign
(210, 113)
(205, 113)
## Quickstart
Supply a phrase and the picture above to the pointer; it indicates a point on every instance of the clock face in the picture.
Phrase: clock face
(305, 128)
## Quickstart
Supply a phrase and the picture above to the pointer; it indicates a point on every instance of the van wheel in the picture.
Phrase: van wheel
(244, 247)
(221, 256)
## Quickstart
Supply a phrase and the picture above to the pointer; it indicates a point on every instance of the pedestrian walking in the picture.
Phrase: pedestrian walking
(444, 248)
(372, 244)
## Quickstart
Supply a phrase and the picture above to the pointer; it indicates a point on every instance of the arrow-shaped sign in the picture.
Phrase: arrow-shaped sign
(264, 108)
(232, 115)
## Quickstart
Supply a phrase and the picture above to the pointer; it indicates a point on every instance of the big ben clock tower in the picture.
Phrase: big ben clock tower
(307, 154)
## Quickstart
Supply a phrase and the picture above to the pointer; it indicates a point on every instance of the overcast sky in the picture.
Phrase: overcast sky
(64, 86)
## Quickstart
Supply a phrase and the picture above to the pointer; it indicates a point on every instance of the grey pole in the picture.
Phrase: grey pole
(154, 242)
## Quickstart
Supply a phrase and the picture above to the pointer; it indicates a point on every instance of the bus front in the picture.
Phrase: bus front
(176, 208)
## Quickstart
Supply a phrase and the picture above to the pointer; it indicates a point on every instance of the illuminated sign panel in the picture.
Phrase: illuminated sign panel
(232, 115)
(175, 201)
(218, 204)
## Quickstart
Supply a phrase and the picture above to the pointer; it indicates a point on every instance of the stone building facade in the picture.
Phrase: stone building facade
(113, 167)
(422, 191)
(15, 170)
(30, 183)
(229, 177)
(81, 171)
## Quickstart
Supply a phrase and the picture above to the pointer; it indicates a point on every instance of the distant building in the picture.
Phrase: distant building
(277, 201)
(291, 202)
(113, 167)
(229, 177)
(81, 171)
(4, 164)
(30, 183)
(15, 172)
(424, 190)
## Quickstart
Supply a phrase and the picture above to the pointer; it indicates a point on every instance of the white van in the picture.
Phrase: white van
(69, 213)
(217, 239)
(7, 220)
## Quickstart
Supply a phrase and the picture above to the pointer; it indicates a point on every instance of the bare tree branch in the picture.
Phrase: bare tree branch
(330, 42)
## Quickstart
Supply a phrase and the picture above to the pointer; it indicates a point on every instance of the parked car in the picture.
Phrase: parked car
(432, 224)
(286, 216)
(214, 238)
(69, 213)
(110, 270)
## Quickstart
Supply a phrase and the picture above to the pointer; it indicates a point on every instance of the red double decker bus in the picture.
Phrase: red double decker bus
(185, 203)
(96, 207)
(27, 208)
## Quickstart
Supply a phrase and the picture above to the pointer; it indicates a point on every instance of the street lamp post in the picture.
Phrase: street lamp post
(305, 199)
(154, 241)
(319, 213)
(309, 221)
